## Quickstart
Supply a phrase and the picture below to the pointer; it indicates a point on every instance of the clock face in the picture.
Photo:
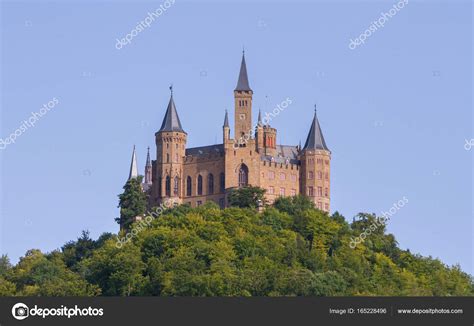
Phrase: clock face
(242, 116)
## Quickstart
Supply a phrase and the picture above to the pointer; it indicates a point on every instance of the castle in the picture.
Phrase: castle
(251, 158)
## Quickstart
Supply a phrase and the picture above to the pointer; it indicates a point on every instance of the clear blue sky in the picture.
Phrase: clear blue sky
(395, 111)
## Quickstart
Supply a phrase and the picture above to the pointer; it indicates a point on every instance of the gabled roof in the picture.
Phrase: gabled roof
(285, 154)
(315, 139)
(205, 150)
(171, 120)
(243, 82)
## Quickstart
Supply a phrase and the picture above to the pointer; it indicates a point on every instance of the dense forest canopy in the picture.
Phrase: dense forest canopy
(288, 249)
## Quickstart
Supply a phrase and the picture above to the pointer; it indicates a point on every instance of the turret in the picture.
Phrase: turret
(315, 167)
(226, 128)
(148, 169)
(170, 152)
(259, 143)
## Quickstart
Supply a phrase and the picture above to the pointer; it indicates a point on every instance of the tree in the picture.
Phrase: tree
(247, 197)
(132, 202)
(294, 204)
(291, 249)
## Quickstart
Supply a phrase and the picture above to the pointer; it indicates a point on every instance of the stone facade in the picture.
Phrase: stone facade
(252, 157)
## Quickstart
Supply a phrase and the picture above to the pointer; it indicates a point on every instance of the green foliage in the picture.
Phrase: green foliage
(251, 197)
(291, 249)
(132, 202)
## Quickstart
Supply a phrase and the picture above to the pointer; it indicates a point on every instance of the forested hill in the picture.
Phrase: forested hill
(290, 249)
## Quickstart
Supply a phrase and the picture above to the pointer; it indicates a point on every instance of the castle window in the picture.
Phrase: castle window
(310, 191)
(320, 191)
(326, 176)
(189, 186)
(167, 158)
(243, 176)
(326, 192)
(320, 205)
(210, 184)
(199, 185)
(176, 186)
(221, 202)
(282, 176)
(327, 162)
(271, 190)
(319, 161)
(271, 175)
(176, 158)
(159, 186)
(168, 186)
(326, 207)
(310, 175)
(176, 146)
(293, 192)
(282, 192)
(222, 182)
(199, 202)
(320, 175)
(293, 177)
(167, 145)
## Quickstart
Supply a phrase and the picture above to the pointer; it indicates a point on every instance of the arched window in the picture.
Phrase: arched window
(222, 182)
(243, 176)
(199, 185)
(210, 184)
(168, 186)
(176, 186)
(160, 180)
(189, 186)
(167, 158)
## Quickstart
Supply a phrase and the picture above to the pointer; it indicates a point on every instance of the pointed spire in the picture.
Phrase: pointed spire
(226, 120)
(243, 82)
(148, 171)
(315, 139)
(260, 117)
(171, 120)
(133, 166)
(148, 161)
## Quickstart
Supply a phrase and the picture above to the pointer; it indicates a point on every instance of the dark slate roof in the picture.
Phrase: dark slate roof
(171, 120)
(315, 139)
(205, 150)
(243, 82)
(285, 154)
(226, 119)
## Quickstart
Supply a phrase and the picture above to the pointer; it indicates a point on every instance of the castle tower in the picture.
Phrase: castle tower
(148, 168)
(170, 152)
(243, 105)
(133, 166)
(315, 167)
